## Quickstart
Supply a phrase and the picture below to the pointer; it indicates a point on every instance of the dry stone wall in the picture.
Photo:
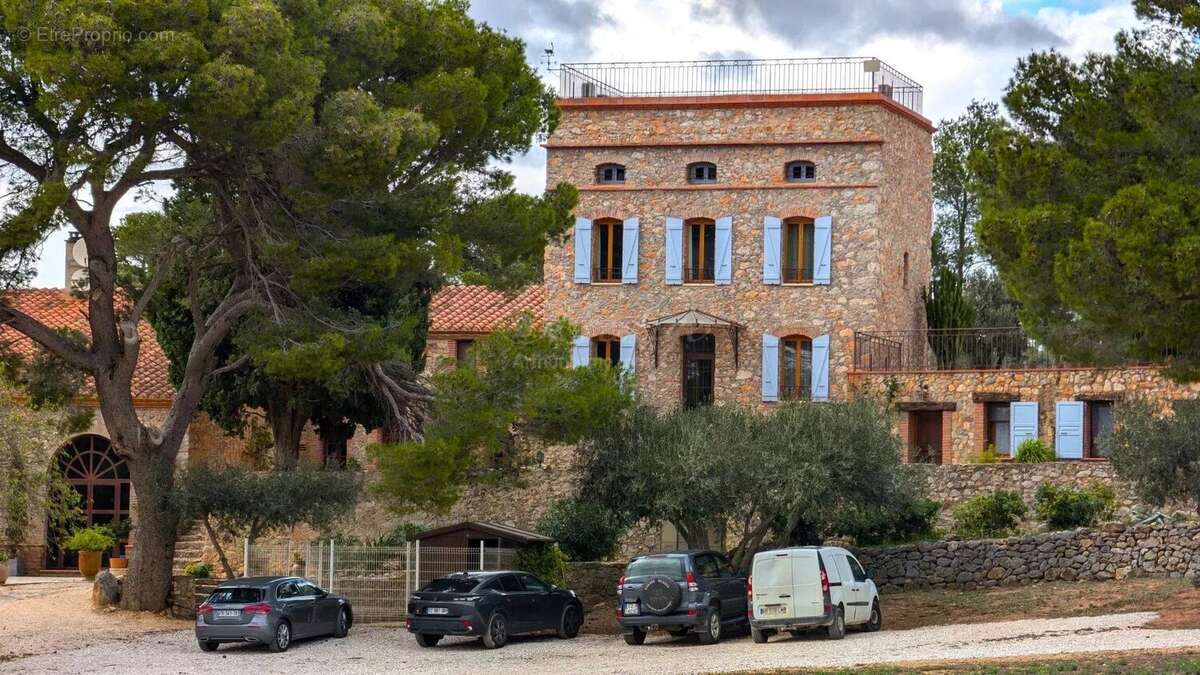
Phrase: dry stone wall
(1111, 552)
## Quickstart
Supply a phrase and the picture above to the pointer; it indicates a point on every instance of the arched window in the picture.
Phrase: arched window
(607, 240)
(699, 250)
(798, 245)
(101, 477)
(699, 356)
(795, 364)
(610, 173)
(607, 348)
(800, 172)
(702, 172)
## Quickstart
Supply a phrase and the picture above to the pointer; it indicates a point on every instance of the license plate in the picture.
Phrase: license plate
(774, 610)
(631, 608)
(228, 613)
(437, 610)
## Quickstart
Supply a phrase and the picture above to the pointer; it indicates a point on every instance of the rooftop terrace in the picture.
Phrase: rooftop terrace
(841, 75)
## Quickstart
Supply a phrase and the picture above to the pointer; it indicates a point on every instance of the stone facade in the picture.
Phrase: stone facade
(873, 178)
(1112, 552)
(961, 396)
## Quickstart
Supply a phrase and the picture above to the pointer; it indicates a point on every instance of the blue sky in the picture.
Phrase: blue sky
(957, 49)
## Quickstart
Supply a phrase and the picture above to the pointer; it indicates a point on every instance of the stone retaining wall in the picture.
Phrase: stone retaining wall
(596, 585)
(1111, 552)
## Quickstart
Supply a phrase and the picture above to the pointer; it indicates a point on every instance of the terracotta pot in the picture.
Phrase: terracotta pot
(117, 563)
(3, 572)
(89, 564)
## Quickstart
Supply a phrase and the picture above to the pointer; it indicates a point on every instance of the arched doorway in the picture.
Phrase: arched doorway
(101, 477)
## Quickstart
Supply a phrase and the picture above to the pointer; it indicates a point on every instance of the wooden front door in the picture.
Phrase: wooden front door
(925, 442)
(101, 477)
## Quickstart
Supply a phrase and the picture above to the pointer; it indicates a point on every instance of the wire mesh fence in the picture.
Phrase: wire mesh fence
(377, 580)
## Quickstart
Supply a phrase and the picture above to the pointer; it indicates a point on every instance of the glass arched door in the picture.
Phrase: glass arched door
(101, 477)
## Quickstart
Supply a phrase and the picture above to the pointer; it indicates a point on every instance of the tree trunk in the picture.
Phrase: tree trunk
(287, 424)
(148, 582)
(696, 535)
(216, 542)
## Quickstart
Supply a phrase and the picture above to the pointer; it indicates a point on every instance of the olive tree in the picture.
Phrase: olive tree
(1158, 451)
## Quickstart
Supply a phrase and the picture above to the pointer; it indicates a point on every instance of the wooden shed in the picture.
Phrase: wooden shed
(470, 534)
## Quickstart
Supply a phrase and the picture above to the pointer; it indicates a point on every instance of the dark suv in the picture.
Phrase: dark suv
(681, 592)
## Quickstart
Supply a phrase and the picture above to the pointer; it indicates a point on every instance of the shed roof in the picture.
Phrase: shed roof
(505, 531)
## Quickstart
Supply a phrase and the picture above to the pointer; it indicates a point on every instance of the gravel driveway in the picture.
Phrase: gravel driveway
(378, 649)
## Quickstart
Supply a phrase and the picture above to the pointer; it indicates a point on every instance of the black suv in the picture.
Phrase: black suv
(682, 591)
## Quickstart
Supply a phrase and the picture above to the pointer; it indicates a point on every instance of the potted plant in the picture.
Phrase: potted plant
(120, 532)
(91, 543)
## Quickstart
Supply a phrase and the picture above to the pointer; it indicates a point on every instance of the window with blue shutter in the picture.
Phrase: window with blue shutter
(629, 352)
(820, 368)
(1068, 429)
(770, 368)
(583, 251)
(823, 252)
(1023, 422)
(724, 252)
(772, 229)
(629, 251)
(674, 250)
(581, 351)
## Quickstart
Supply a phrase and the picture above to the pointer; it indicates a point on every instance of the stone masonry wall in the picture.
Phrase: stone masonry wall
(966, 391)
(851, 146)
(1112, 552)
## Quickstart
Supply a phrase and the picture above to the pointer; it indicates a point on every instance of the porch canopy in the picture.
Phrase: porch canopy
(698, 319)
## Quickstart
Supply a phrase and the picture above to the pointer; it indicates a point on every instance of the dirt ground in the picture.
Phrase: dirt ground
(52, 617)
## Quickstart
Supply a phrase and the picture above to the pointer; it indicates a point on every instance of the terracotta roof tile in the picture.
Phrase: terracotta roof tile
(479, 309)
(57, 308)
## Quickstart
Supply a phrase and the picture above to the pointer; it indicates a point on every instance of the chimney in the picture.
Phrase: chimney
(76, 273)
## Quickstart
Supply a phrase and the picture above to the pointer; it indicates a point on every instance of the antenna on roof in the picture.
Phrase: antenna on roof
(548, 57)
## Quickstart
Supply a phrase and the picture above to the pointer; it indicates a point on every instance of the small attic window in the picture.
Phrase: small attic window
(610, 173)
(702, 172)
(800, 172)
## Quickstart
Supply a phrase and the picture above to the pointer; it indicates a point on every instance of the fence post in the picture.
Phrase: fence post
(480, 555)
(332, 565)
(417, 573)
(320, 560)
(246, 557)
(407, 569)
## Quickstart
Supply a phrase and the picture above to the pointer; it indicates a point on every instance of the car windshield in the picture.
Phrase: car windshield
(236, 595)
(464, 585)
(645, 567)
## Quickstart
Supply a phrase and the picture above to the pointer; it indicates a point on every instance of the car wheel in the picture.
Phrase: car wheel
(428, 639)
(495, 635)
(207, 645)
(568, 625)
(837, 629)
(635, 637)
(282, 639)
(876, 621)
(342, 629)
(710, 634)
(759, 636)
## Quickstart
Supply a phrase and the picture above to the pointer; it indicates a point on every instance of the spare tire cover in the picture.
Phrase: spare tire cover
(660, 595)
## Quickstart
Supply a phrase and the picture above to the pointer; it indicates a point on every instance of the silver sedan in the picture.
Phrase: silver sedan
(270, 610)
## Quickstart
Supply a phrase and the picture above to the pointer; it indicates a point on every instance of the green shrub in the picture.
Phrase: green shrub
(198, 569)
(988, 456)
(988, 516)
(544, 561)
(908, 522)
(1033, 451)
(1064, 508)
(585, 529)
(90, 539)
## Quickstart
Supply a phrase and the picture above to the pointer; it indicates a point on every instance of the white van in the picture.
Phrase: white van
(808, 587)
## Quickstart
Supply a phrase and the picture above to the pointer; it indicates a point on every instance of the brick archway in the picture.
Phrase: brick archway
(101, 477)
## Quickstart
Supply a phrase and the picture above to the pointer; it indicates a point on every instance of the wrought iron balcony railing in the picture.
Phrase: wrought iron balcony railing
(957, 349)
(841, 75)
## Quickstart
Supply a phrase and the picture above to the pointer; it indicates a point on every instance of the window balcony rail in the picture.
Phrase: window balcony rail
(952, 349)
(840, 75)
(795, 393)
(797, 275)
(606, 273)
(697, 274)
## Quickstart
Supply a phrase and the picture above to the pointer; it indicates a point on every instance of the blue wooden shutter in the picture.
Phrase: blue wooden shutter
(629, 251)
(583, 251)
(823, 249)
(770, 368)
(629, 352)
(674, 246)
(724, 253)
(1068, 429)
(1022, 422)
(772, 234)
(820, 368)
(581, 351)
